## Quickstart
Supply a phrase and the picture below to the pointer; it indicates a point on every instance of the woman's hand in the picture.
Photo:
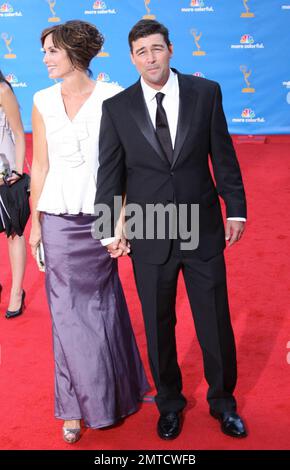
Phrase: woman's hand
(35, 237)
(13, 178)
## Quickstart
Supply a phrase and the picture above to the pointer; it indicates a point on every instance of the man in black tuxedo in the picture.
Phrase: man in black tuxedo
(155, 140)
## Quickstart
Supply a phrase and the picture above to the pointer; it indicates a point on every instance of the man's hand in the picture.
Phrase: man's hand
(120, 247)
(234, 231)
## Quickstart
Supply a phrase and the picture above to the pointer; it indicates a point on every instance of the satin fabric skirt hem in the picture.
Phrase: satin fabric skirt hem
(111, 422)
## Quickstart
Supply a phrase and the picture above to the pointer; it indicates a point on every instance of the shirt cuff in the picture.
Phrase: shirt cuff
(107, 241)
(238, 219)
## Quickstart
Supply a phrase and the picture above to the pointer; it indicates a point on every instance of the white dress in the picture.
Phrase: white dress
(73, 150)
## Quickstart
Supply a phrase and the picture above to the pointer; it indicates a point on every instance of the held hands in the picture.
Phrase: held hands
(121, 246)
(234, 231)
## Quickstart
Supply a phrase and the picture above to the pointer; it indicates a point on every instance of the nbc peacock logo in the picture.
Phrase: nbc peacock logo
(248, 116)
(248, 113)
(247, 42)
(103, 77)
(100, 8)
(197, 6)
(7, 10)
(11, 78)
(99, 5)
(14, 82)
(247, 39)
(199, 74)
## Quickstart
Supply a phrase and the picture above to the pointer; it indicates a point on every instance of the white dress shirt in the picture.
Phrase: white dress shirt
(170, 102)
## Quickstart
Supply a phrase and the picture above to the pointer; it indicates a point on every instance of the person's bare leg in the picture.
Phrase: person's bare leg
(72, 424)
(17, 255)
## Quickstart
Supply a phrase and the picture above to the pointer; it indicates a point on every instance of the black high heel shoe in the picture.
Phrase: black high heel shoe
(16, 313)
(0, 292)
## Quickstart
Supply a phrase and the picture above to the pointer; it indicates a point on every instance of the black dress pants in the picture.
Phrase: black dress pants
(207, 291)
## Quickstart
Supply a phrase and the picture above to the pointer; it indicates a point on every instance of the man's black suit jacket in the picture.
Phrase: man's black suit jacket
(132, 162)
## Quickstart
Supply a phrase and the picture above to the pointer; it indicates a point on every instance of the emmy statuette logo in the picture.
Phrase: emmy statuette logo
(54, 18)
(197, 37)
(148, 16)
(7, 42)
(246, 73)
(247, 13)
(103, 53)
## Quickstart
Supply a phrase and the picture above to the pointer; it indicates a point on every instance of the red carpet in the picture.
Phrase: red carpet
(259, 297)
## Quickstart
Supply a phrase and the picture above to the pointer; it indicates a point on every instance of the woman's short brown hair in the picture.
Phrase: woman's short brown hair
(81, 40)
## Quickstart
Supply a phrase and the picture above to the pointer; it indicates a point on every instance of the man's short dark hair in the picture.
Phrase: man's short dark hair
(145, 28)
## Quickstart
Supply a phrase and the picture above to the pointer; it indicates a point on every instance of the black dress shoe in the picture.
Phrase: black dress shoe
(169, 425)
(231, 423)
(16, 313)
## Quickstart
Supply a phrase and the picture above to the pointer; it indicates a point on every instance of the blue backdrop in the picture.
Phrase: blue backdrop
(242, 44)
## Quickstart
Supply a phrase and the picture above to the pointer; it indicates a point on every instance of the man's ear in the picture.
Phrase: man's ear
(132, 59)
(170, 47)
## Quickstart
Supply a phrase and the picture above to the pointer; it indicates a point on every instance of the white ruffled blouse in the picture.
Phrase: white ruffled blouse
(73, 150)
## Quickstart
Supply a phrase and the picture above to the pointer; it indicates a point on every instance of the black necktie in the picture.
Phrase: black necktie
(162, 128)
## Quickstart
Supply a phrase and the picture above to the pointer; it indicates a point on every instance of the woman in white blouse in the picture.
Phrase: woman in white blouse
(99, 376)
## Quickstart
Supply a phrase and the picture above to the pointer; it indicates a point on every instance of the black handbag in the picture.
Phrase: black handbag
(14, 206)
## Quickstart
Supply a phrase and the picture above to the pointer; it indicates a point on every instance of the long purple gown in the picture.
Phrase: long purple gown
(99, 376)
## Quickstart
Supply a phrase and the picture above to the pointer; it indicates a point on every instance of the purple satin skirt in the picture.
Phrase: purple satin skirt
(99, 376)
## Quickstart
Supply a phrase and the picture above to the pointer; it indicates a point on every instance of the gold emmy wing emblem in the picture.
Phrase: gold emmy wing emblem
(7, 44)
(148, 16)
(196, 40)
(53, 18)
(102, 53)
(247, 14)
(246, 73)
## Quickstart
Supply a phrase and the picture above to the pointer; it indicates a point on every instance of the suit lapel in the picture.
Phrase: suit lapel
(187, 106)
(141, 115)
